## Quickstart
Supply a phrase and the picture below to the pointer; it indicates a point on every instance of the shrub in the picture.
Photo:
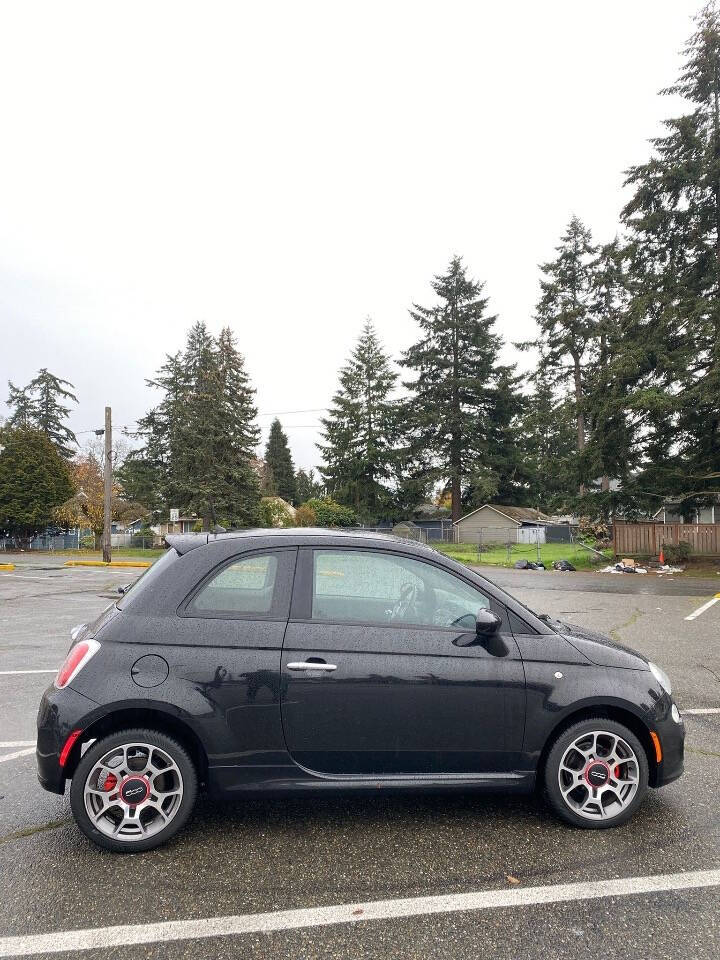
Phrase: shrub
(328, 513)
(305, 516)
(677, 552)
(88, 543)
(274, 513)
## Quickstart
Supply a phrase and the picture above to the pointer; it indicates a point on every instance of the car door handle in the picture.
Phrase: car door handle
(311, 665)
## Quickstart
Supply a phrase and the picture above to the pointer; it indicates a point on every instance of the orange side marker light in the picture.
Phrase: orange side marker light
(658, 749)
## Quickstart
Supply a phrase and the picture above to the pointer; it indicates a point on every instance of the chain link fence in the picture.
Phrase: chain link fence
(75, 541)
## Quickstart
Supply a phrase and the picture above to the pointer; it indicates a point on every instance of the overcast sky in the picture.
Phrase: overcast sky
(292, 168)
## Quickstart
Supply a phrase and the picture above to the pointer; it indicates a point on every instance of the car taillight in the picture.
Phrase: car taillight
(76, 659)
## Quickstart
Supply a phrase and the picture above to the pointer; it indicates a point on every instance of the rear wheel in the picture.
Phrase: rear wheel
(596, 774)
(133, 790)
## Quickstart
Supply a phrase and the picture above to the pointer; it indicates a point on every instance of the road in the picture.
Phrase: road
(261, 857)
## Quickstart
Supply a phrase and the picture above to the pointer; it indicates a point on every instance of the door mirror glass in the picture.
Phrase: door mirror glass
(487, 623)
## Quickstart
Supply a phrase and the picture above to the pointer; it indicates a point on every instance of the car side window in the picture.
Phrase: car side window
(367, 587)
(251, 586)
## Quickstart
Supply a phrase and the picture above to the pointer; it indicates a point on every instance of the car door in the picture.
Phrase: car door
(382, 674)
(227, 648)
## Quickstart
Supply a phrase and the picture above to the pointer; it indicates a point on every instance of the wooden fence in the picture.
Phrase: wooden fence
(646, 539)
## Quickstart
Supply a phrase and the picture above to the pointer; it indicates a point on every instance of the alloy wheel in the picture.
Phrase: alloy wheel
(599, 775)
(133, 791)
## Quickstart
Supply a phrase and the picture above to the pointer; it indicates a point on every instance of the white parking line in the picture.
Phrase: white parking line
(15, 755)
(103, 937)
(702, 711)
(17, 743)
(12, 673)
(706, 606)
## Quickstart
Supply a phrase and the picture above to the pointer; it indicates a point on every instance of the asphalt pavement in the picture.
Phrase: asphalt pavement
(261, 857)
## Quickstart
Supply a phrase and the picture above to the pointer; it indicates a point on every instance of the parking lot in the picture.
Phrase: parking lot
(506, 862)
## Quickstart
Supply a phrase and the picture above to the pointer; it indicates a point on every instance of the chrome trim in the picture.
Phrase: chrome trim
(308, 665)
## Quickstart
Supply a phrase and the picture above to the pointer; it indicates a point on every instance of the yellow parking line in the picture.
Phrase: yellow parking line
(113, 563)
(7, 566)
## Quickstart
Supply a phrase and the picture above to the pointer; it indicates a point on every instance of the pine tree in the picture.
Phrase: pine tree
(41, 405)
(567, 320)
(200, 439)
(22, 406)
(239, 493)
(548, 445)
(612, 427)
(359, 431)
(674, 255)
(34, 480)
(278, 461)
(307, 486)
(454, 391)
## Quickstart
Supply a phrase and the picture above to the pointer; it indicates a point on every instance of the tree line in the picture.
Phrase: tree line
(624, 405)
(621, 407)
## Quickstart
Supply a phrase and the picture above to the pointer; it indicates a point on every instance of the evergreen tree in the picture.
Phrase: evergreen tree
(674, 257)
(548, 445)
(239, 493)
(143, 473)
(611, 426)
(308, 487)
(455, 389)
(22, 406)
(504, 456)
(200, 439)
(41, 404)
(278, 461)
(565, 315)
(34, 480)
(359, 431)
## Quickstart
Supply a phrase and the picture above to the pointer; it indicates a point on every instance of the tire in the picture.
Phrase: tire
(596, 774)
(114, 772)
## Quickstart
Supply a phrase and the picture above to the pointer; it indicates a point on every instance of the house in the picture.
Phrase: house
(496, 523)
(185, 523)
(677, 511)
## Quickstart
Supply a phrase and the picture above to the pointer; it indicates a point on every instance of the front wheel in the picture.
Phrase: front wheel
(596, 774)
(133, 790)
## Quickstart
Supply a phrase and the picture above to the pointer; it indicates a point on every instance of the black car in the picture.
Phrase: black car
(280, 661)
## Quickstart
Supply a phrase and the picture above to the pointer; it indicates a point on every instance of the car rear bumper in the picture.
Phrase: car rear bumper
(60, 712)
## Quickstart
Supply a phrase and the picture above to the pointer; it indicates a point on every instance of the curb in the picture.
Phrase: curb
(7, 566)
(113, 563)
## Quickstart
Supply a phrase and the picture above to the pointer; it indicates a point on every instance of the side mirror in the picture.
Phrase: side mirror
(487, 624)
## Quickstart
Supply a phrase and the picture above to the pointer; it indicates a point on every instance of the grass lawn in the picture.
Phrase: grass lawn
(550, 552)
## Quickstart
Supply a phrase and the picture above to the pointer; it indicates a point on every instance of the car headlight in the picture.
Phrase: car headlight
(662, 678)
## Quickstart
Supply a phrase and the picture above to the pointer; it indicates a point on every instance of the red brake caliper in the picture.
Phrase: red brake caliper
(110, 782)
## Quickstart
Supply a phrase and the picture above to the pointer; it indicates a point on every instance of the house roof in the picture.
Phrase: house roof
(518, 515)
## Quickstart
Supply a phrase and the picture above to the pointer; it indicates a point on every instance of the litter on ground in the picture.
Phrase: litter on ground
(625, 567)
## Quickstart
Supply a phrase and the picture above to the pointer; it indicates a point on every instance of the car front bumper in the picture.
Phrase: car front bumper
(672, 742)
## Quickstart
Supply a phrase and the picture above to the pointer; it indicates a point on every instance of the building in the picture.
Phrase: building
(676, 511)
(496, 523)
(184, 524)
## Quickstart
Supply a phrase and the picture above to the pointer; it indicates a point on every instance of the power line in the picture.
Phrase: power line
(280, 413)
(277, 413)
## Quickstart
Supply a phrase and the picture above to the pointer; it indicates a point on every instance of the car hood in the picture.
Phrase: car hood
(600, 649)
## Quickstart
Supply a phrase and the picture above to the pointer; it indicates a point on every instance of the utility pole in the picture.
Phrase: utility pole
(107, 474)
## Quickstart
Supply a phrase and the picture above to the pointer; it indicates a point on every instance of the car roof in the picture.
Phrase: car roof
(185, 542)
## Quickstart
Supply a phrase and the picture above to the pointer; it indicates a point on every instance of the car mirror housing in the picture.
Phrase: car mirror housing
(487, 624)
